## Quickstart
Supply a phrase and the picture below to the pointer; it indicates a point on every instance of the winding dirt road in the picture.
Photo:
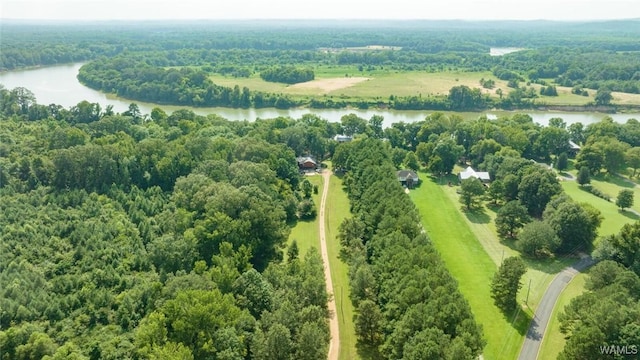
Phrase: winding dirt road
(334, 344)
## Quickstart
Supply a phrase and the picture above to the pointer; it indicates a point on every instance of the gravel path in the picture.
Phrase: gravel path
(334, 345)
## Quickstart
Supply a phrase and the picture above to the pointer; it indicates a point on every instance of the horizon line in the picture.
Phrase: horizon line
(86, 20)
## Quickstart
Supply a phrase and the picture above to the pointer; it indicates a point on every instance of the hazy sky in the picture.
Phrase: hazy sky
(323, 9)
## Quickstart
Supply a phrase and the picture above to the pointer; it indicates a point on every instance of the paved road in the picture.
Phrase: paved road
(334, 344)
(538, 326)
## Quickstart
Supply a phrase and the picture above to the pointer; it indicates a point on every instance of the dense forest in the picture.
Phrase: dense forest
(125, 238)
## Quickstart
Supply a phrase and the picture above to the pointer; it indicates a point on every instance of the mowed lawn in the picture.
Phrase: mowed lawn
(554, 340)
(540, 272)
(612, 184)
(472, 267)
(336, 210)
(613, 218)
(305, 232)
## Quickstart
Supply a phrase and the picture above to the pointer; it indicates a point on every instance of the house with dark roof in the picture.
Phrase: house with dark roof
(307, 163)
(469, 173)
(408, 178)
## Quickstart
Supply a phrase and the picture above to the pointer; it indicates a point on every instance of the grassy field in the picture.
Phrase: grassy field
(471, 265)
(306, 232)
(336, 210)
(612, 184)
(613, 218)
(540, 272)
(380, 84)
(554, 340)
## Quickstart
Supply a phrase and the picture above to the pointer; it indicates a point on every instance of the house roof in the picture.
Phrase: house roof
(306, 159)
(342, 138)
(573, 146)
(404, 175)
(469, 172)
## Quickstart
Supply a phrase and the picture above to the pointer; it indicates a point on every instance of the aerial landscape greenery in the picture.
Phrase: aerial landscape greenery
(173, 235)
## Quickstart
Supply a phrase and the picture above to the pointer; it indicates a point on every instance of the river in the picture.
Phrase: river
(59, 85)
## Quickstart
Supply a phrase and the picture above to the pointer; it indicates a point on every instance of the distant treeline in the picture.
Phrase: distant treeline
(27, 44)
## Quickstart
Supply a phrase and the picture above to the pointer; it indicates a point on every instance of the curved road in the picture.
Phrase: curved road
(334, 344)
(531, 345)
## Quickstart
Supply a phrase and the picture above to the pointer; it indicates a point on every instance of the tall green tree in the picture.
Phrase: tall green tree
(506, 283)
(368, 323)
(576, 227)
(584, 176)
(562, 162)
(536, 189)
(632, 158)
(471, 191)
(603, 96)
(538, 239)
(624, 199)
(511, 217)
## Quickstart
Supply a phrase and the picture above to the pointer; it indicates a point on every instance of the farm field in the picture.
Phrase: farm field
(347, 81)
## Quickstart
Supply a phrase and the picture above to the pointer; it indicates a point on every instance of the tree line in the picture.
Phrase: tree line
(287, 74)
(407, 303)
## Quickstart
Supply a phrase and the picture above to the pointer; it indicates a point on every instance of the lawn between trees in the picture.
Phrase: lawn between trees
(469, 262)
(475, 234)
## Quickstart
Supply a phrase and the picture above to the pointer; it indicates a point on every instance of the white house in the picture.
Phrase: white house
(469, 173)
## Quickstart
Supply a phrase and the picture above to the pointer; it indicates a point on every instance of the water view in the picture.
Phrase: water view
(59, 85)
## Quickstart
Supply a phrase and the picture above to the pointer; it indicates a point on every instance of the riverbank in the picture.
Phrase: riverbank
(58, 85)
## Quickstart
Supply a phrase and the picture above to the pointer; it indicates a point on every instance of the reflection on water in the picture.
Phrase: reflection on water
(59, 85)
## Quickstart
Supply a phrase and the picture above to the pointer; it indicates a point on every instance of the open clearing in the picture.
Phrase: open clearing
(324, 86)
(349, 82)
(470, 264)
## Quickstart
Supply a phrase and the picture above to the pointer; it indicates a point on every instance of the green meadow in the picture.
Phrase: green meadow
(470, 263)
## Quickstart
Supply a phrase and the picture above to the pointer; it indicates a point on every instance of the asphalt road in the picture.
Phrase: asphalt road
(538, 326)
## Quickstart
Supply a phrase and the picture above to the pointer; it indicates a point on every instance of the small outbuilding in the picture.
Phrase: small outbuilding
(342, 138)
(408, 178)
(469, 173)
